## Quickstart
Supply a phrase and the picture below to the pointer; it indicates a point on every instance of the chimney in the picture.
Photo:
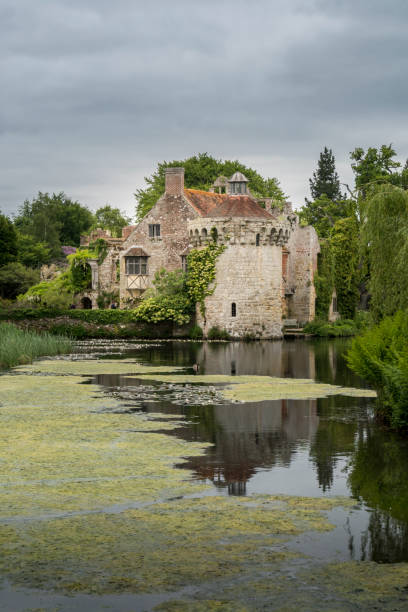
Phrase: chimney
(174, 181)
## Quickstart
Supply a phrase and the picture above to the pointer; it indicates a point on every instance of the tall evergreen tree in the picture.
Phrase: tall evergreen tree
(325, 180)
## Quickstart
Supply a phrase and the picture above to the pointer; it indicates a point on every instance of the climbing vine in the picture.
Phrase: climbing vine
(100, 248)
(338, 268)
(201, 273)
(324, 280)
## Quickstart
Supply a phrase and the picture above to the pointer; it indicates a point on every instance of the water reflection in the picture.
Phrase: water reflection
(311, 447)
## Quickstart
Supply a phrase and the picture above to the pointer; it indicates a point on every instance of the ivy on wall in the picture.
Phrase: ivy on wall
(324, 280)
(201, 273)
(338, 268)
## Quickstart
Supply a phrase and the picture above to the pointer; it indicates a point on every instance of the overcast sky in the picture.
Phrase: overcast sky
(94, 92)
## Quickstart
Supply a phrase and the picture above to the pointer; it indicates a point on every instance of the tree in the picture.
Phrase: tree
(55, 220)
(8, 241)
(200, 173)
(328, 204)
(111, 219)
(345, 245)
(385, 232)
(15, 279)
(374, 166)
(30, 252)
(323, 213)
(325, 180)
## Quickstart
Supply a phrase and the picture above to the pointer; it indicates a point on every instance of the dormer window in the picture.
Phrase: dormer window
(154, 230)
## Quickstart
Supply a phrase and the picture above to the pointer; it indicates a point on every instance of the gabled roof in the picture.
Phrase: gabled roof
(209, 204)
(136, 252)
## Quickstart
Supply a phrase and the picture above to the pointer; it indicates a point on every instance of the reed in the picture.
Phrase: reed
(18, 346)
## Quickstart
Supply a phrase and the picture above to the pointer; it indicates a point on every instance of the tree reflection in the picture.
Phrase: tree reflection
(379, 478)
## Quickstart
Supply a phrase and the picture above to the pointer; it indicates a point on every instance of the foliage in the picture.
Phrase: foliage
(79, 274)
(201, 273)
(323, 213)
(167, 283)
(8, 241)
(54, 294)
(324, 329)
(175, 308)
(196, 333)
(99, 249)
(385, 233)
(106, 298)
(54, 220)
(328, 204)
(215, 333)
(375, 166)
(325, 181)
(32, 253)
(111, 219)
(380, 356)
(200, 172)
(166, 300)
(16, 278)
(345, 247)
(18, 346)
(324, 280)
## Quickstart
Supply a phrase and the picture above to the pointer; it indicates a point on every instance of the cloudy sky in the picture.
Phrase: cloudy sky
(94, 93)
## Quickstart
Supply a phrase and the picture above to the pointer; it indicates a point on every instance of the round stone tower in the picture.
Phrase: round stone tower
(247, 297)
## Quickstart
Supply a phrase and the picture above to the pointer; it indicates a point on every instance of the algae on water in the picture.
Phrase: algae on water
(92, 502)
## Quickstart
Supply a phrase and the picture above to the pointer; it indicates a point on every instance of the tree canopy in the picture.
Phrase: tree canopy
(8, 241)
(328, 205)
(200, 173)
(55, 220)
(325, 181)
(111, 219)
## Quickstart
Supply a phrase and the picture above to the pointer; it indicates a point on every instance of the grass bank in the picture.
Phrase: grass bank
(18, 346)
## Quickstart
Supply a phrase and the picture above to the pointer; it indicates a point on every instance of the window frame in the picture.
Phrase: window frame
(154, 230)
(136, 265)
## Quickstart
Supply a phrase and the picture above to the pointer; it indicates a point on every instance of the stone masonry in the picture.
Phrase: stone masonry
(265, 273)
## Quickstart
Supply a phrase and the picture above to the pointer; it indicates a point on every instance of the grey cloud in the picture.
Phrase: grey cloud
(95, 93)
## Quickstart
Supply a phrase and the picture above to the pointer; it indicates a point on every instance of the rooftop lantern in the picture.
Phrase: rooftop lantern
(238, 184)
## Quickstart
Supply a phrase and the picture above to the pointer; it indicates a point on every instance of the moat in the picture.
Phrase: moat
(316, 447)
(133, 485)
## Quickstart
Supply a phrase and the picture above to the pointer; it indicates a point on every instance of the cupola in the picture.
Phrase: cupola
(238, 184)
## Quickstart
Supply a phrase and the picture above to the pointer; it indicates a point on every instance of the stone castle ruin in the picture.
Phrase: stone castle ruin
(263, 276)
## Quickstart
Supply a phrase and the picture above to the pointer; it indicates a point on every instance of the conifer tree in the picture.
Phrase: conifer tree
(325, 180)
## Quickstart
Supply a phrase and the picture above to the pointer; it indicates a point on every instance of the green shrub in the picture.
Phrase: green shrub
(18, 346)
(196, 333)
(215, 333)
(380, 356)
(324, 329)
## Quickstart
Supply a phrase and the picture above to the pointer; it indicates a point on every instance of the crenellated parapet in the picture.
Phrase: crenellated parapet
(241, 231)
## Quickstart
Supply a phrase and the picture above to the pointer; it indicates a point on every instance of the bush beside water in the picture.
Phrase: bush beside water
(324, 329)
(18, 346)
(380, 356)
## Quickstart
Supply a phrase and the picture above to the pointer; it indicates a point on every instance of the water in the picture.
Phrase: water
(324, 447)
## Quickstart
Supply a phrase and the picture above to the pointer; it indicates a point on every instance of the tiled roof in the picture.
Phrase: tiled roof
(209, 204)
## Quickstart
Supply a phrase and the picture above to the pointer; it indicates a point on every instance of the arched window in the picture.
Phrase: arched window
(233, 309)
(258, 240)
(204, 233)
(214, 234)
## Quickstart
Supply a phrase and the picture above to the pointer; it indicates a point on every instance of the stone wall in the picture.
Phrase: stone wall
(303, 249)
(248, 275)
(172, 213)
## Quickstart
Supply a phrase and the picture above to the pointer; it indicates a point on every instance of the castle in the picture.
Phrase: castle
(263, 276)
